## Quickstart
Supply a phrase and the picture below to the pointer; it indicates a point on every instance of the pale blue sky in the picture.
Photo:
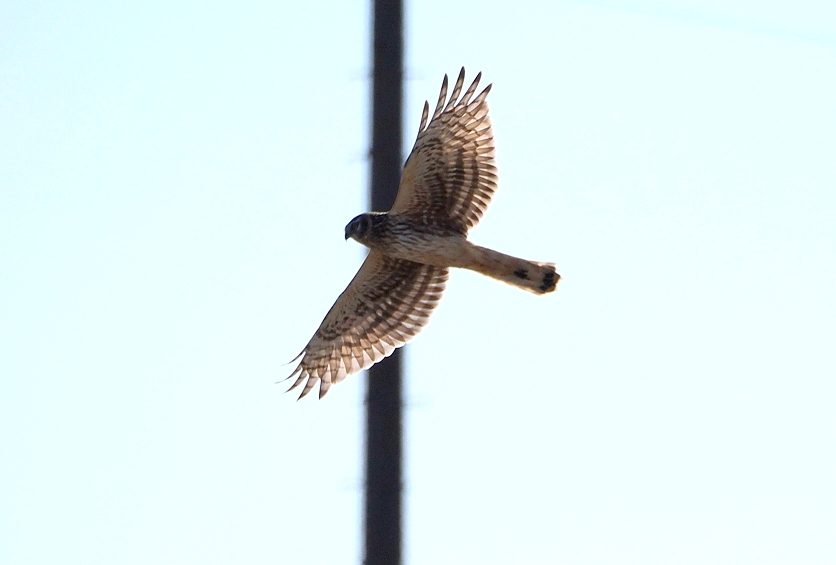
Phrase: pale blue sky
(174, 182)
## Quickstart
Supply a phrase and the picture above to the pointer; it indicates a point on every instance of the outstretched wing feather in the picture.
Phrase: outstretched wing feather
(386, 304)
(450, 175)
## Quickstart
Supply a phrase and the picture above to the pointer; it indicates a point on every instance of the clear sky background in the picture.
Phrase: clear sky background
(174, 182)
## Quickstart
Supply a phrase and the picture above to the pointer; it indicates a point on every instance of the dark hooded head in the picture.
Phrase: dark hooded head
(359, 227)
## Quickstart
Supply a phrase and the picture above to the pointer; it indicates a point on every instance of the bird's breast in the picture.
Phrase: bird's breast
(422, 243)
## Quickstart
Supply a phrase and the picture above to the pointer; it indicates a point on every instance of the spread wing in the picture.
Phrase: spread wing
(450, 176)
(384, 306)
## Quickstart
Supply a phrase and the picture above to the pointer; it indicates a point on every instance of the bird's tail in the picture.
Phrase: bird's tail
(538, 278)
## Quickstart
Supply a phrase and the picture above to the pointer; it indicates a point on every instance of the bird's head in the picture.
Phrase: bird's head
(360, 227)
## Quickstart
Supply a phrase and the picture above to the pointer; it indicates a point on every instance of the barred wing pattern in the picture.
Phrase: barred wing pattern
(450, 175)
(384, 306)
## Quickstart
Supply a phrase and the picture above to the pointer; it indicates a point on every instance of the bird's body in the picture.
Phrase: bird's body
(444, 246)
(446, 186)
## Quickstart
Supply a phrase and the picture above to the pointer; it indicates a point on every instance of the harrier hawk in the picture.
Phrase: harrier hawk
(447, 183)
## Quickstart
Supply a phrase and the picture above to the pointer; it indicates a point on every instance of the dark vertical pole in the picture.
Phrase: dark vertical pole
(383, 396)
